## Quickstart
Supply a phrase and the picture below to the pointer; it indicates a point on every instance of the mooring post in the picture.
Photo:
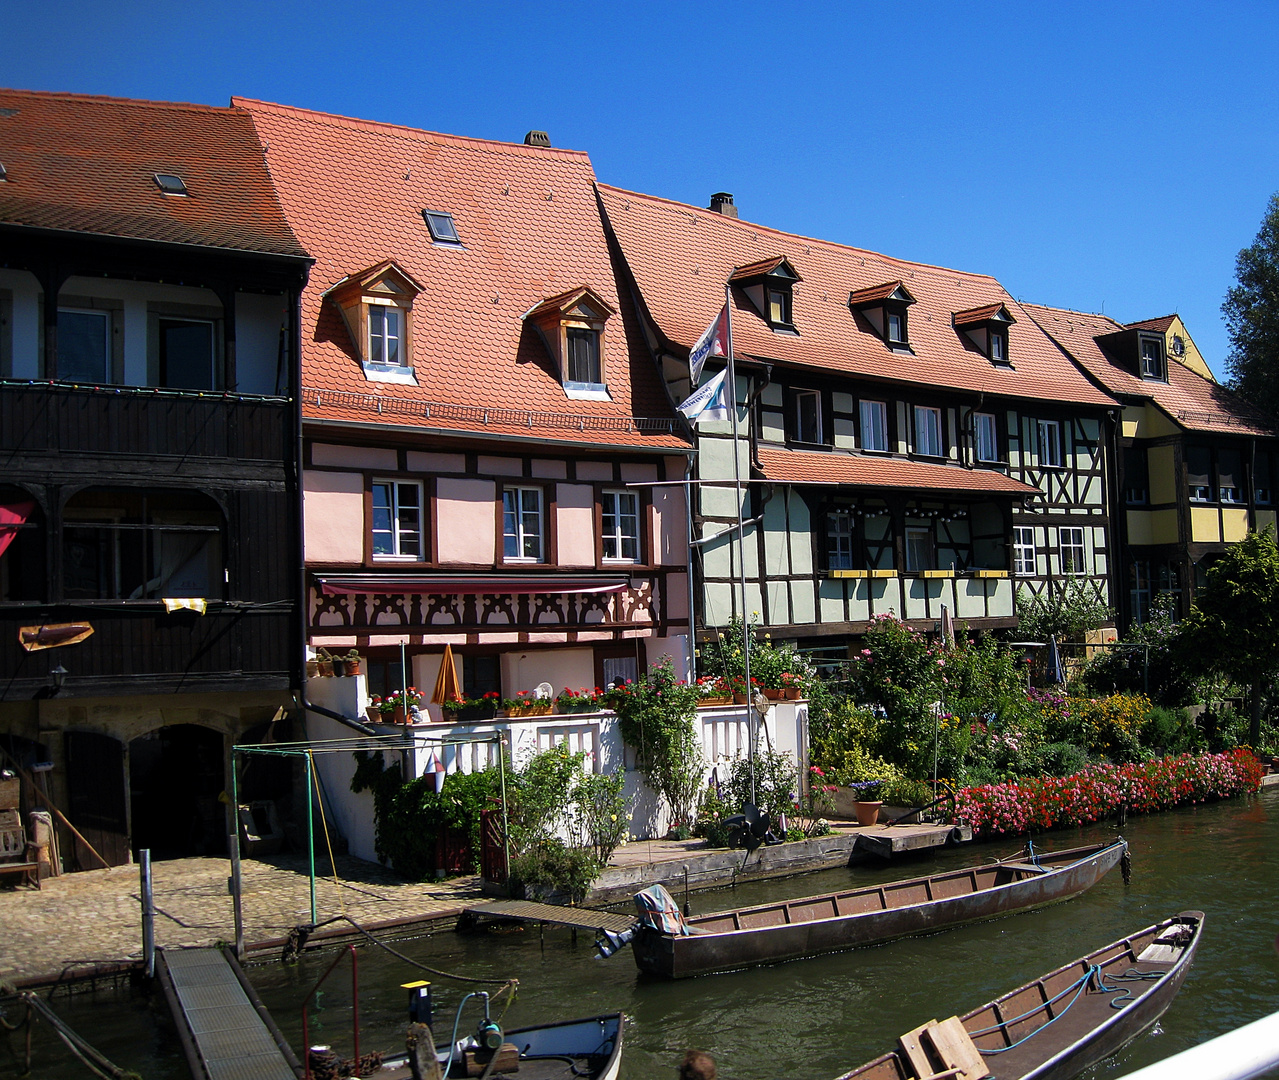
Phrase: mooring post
(148, 912)
(237, 887)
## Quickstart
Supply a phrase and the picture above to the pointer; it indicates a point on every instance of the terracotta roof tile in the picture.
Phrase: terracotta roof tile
(978, 315)
(866, 470)
(87, 164)
(875, 292)
(756, 269)
(1196, 403)
(1161, 324)
(530, 231)
(682, 255)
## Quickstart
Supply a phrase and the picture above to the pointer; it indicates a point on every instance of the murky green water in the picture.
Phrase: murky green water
(815, 1018)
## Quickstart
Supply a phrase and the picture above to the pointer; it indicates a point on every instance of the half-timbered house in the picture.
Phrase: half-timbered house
(1194, 462)
(910, 439)
(485, 435)
(149, 540)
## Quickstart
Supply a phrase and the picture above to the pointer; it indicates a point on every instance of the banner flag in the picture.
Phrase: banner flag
(714, 342)
(708, 402)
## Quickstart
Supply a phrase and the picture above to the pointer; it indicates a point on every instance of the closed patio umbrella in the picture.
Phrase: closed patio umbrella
(447, 687)
(1056, 672)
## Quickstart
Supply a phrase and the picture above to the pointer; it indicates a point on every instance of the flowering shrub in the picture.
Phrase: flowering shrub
(772, 667)
(1098, 791)
(581, 700)
(490, 700)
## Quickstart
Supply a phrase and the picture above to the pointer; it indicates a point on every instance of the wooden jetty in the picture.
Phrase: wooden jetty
(222, 1031)
(575, 918)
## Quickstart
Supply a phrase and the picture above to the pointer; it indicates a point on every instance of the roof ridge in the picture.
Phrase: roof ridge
(712, 215)
(338, 120)
(62, 95)
(1072, 311)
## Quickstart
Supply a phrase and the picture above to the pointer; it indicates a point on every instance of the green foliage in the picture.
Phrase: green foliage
(1251, 310)
(656, 716)
(554, 864)
(1171, 731)
(1068, 613)
(776, 784)
(1148, 659)
(409, 817)
(711, 812)
(601, 818)
(772, 667)
(539, 794)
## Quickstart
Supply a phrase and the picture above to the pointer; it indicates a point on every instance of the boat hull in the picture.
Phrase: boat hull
(797, 933)
(1017, 1039)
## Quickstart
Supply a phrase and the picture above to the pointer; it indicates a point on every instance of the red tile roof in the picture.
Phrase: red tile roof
(1196, 403)
(978, 315)
(875, 292)
(530, 230)
(867, 470)
(681, 256)
(756, 269)
(87, 165)
(1160, 324)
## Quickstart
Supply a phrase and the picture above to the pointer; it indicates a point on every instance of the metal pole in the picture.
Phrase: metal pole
(741, 537)
(310, 828)
(506, 832)
(237, 883)
(148, 912)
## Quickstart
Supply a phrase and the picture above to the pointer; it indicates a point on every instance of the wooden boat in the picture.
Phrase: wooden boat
(587, 1049)
(1060, 1024)
(770, 933)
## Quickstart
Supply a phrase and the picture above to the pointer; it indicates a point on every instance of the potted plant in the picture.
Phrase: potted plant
(468, 709)
(324, 662)
(867, 804)
(713, 690)
(312, 669)
(792, 686)
(352, 659)
(577, 701)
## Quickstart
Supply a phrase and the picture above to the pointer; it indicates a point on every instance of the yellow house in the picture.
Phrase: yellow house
(1195, 463)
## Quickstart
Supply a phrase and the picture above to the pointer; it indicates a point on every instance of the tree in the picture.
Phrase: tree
(1233, 627)
(1251, 310)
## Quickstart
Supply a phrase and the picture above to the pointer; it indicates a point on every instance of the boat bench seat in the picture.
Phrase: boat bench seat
(950, 1044)
(1029, 868)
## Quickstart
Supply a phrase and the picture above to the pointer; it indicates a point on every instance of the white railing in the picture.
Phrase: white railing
(1236, 1055)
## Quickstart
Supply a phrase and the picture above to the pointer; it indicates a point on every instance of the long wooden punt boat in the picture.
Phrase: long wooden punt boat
(1058, 1025)
(771, 933)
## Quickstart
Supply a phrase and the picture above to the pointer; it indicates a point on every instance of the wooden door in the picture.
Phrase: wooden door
(96, 799)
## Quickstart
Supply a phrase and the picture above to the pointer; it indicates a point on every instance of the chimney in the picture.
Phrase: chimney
(537, 138)
(722, 203)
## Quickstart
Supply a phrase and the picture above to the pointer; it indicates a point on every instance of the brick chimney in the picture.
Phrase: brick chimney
(722, 203)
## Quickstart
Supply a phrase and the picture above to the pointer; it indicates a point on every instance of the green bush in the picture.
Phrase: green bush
(552, 863)
(776, 784)
(1059, 759)
(1070, 613)
(601, 816)
(1168, 731)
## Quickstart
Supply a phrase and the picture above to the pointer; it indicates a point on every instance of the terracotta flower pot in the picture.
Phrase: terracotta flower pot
(325, 668)
(793, 693)
(739, 699)
(867, 812)
(312, 668)
(352, 667)
(774, 694)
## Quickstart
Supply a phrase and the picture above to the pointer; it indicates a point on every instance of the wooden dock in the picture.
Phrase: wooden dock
(224, 1035)
(530, 911)
(885, 841)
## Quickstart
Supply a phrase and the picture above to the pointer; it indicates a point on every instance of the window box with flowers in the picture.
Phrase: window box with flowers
(578, 701)
(394, 708)
(526, 703)
(464, 710)
(713, 690)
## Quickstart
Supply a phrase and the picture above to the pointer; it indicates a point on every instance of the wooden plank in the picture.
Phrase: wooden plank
(530, 911)
(955, 1048)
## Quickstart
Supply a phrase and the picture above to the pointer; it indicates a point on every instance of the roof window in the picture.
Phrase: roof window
(769, 284)
(572, 326)
(443, 228)
(987, 328)
(170, 184)
(377, 307)
(883, 307)
(3, 174)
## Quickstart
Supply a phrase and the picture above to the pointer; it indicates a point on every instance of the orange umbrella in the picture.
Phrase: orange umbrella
(447, 687)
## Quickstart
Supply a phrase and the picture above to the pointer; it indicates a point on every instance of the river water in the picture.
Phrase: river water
(818, 1017)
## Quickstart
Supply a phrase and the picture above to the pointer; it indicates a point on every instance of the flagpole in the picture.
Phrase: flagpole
(741, 538)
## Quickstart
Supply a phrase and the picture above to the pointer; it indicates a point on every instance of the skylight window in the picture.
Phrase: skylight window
(170, 184)
(443, 229)
(3, 175)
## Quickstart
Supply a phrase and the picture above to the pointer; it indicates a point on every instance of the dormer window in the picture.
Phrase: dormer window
(987, 328)
(442, 227)
(377, 307)
(571, 326)
(769, 286)
(1152, 358)
(883, 308)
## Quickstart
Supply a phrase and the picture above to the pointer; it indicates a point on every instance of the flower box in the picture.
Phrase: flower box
(517, 711)
(707, 702)
(474, 712)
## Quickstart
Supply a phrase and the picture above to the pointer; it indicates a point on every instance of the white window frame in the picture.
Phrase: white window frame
(917, 533)
(1048, 437)
(401, 537)
(1067, 535)
(807, 395)
(620, 526)
(1152, 367)
(986, 437)
(874, 422)
(516, 515)
(839, 539)
(379, 356)
(929, 441)
(1025, 557)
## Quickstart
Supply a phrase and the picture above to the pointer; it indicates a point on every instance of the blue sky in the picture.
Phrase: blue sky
(1095, 156)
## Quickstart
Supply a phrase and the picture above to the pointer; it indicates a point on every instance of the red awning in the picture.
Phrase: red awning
(452, 585)
(12, 517)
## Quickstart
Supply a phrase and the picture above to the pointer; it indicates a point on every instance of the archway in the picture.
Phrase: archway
(176, 774)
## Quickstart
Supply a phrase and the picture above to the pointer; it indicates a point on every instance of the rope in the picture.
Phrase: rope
(1093, 974)
(324, 821)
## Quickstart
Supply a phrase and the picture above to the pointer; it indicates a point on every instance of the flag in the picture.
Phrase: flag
(707, 402)
(712, 343)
